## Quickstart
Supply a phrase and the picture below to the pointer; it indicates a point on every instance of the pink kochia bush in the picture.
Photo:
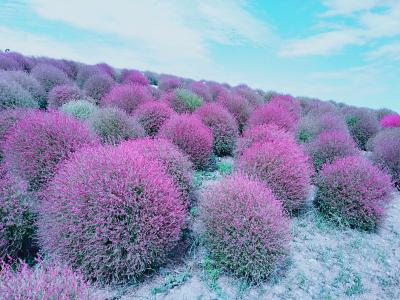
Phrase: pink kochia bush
(8, 118)
(38, 142)
(133, 77)
(49, 76)
(16, 217)
(390, 121)
(330, 145)
(168, 83)
(223, 126)
(283, 166)
(237, 105)
(273, 113)
(246, 230)
(353, 192)
(177, 164)
(127, 97)
(111, 212)
(62, 94)
(46, 280)
(289, 103)
(191, 136)
(97, 86)
(152, 115)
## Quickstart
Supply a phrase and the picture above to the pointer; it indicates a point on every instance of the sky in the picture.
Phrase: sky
(342, 50)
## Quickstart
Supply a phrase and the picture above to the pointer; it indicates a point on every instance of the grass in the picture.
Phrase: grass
(171, 281)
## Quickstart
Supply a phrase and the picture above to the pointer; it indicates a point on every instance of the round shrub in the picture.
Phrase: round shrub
(80, 109)
(39, 141)
(386, 152)
(62, 94)
(16, 217)
(380, 113)
(133, 77)
(8, 63)
(124, 214)
(191, 136)
(152, 115)
(283, 166)
(330, 145)
(246, 230)
(127, 97)
(113, 125)
(168, 83)
(252, 96)
(237, 105)
(182, 100)
(273, 113)
(177, 164)
(201, 89)
(223, 126)
(390, 121)
(289, 103)
(97, 86)
(49, 76)
(106, 69)
(353, 192)
(47, 280)
(261, 133)
(362, 124)
(84, 72)
(13, 95)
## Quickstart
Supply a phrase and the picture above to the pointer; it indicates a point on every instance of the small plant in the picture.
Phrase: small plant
(80, 109)
(237, 105)
(152, 115)
(62, 94)
(225, 167)
(172, 281)
(133, 77)
(13, 95)
(182, 100)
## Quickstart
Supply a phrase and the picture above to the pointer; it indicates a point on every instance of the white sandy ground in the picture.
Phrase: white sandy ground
(325, 263)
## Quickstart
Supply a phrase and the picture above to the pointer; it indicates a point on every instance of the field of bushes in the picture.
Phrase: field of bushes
(122, 184)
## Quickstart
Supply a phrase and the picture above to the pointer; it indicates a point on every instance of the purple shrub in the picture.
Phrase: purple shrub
(47, 280)
(62, 94)
(283, 166)
(223, 126)
(353, 192)
(261, 133)
(16, 217)
(177, 164)
(13, 95)
(152, 115)
(133, 77)
(386, 152)
(289, 103)
(8, 63)
(392, 120)
(168, 83)
(24, 62)
(113, 125)
(329, 146)
(246, 230)
(237, 105)
(97, 86)
(273, 113)
(49, 76)
(124, 214)
(39, 141)
(380, 113)
(106, 70)
(84, 72)
(127, 97)
(191, 136)
(201, 89)
(182, 100)
(252, 96)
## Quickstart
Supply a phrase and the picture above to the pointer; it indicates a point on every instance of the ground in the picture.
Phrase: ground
(326, 262)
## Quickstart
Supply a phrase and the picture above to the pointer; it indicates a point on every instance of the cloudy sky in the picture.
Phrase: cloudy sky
(345, 50)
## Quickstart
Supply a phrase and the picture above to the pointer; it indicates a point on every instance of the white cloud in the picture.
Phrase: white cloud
(348, 7)
(389, 51)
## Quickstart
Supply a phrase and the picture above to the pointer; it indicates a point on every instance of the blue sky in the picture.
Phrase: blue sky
(344, 50)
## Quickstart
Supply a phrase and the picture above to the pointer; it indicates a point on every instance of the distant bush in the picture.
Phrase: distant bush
(62, 94)
(8, 63)
(152, 115)
(386, 152)
(353, 192)
(133, 77)
(182, 100)
(168, 83)
(97, 86)
(329, 146)
(250, 95)
(390, 121)
(84, 72)
(113, 125)
(13, 95)
(126, 97)
(106, 70)
(362, 124)
(124, 214)
(223, 126)
(47, 280)
(201, 89)
(289, 103)
(237, 105)
(16, 218)
(39, 141)
(380, 113)
(191, 136)
(283, 166)
(49, 76)
(246, 230)
(80, 109)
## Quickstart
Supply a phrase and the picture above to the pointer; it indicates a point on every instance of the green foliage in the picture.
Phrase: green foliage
(189, 99)
(225, 167)
(172, 281)
(80, 109)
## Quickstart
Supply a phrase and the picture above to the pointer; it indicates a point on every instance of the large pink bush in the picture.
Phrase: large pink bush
(112, 212)
(8, 118)
(289, 103)
(168, 83)
(246, 230)
(152, 115)
(283, 166)
(133, 77)
(223, 126)
(392, 120)
(127, 97)
(237, 105)
(191, 136)
(39, 141)
(351, 191)
(62, 94)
